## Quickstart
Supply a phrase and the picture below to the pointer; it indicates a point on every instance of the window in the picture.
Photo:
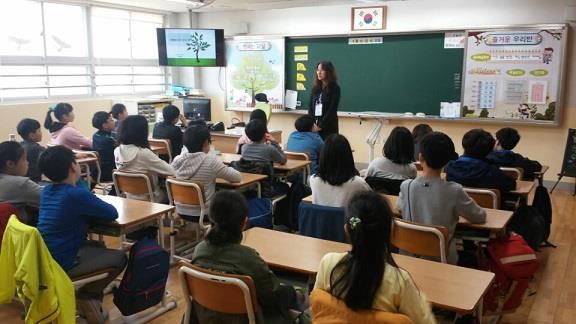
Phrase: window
(21, 28)
(45, 52)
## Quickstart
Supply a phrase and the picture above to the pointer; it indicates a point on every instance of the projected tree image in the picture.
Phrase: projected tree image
(197, 44)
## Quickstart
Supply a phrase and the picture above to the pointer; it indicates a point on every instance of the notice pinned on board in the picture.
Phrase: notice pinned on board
(454, 39)
(300, 77)
(537, 92)
(301, 57)
(300, 86)
(301, 49)
(300, 67)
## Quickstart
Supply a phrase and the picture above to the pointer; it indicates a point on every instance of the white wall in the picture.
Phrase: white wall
(545, 144)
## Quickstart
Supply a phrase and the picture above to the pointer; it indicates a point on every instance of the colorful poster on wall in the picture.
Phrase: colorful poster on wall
(512, 73)
(254, 66)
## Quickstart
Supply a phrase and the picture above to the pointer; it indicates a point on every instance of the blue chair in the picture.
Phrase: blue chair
(321, 222)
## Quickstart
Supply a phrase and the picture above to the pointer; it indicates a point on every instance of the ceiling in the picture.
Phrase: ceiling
(231, 5)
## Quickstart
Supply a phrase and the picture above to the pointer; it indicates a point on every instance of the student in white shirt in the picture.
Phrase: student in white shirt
(337, 178)
(396, 164)
(134, 155)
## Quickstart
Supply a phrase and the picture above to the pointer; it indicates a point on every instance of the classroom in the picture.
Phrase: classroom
(107, 53)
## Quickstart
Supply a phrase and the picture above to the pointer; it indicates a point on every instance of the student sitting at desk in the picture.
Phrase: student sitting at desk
(62, 132)
(256, 114)
(429, 199)
(167, 128)
(31, 133)
(65, 211)
(134, 155)
(418, 133)
(337, 178)
(15, 188)
(266, 154)
(119, 113)
(104, 143)
(396, 164)
(473, 170)
(198, 166)
(506, 140)
(367, 277)
(222, 251)
(306, 140)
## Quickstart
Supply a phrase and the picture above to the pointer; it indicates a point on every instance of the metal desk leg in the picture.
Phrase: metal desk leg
(480, 310)
(259, 188)
(161, 231)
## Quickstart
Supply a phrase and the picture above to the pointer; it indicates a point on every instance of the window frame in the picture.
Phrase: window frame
(89, 62)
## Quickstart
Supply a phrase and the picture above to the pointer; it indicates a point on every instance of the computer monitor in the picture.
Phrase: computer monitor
(197, 109)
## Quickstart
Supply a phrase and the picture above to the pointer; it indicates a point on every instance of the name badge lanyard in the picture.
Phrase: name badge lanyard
(318, 106)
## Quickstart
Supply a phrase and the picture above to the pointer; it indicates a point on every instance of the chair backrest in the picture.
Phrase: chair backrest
(321, 222)
(93, 154)
(164, 145)
(516, 173)
(297, 156)
(6, 210)
(421, 239)
(220, 292)
(486, 198)
(184, 193)
(137, 184)
(327, 309)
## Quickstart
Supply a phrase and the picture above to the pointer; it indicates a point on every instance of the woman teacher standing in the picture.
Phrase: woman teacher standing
(325, 99)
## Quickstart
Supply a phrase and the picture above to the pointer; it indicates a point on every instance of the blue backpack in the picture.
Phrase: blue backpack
(145, 278)
(260, 212)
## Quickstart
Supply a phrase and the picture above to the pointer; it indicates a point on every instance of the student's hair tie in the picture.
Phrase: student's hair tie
(354, 221)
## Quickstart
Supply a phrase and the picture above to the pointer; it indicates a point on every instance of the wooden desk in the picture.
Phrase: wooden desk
(226, 143)
(156, 149)
(542, 172)
(87, 159)
(523, 188)
(446, 286)
(133, 214)
(248, 180)
(291, 166)
(496, 219)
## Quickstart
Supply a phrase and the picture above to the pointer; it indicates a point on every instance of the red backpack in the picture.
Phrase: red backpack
(514, 263)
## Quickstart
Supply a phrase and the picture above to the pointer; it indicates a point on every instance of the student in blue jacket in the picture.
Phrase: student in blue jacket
(65, 212)
(473, 169)
(506, 140)
(306, 140)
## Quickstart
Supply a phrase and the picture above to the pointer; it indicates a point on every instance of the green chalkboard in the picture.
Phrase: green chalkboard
(404, 73)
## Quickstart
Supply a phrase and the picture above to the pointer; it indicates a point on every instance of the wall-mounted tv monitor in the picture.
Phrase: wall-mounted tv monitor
(190, 47)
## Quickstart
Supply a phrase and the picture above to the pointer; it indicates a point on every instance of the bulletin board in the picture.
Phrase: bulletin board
(514, 73)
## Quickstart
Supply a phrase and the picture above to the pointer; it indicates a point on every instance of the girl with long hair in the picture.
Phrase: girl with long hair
(325, 99)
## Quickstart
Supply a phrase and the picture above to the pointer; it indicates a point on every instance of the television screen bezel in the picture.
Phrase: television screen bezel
(219, 40)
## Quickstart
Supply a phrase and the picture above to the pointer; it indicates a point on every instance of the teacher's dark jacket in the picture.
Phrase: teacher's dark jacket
(328, 122)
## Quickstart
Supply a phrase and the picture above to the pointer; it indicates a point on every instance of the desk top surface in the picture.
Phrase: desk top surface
(132, 212)
(446, 286)
(247, 179)
(290, 165)
(496, 219)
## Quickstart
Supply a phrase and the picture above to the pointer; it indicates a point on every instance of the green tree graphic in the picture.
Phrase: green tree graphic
(254, 75)
(197, 44)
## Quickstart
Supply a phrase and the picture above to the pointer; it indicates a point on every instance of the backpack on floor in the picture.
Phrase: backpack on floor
(514, 263)
(145, 278)
(528, 222)
(544, 206)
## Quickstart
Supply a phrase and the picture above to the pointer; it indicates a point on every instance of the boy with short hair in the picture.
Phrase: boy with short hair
(119, 113)
(15, 187)
(429, 199)
(258, 150)
(198, 166)
(167, 129)
(502, 155)
(473, 169)
(31, 133)
(306, 140)
(104, 142)
(65, 211)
